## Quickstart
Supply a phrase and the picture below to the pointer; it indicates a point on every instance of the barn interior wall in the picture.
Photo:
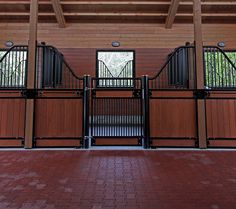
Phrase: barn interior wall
(151, 42)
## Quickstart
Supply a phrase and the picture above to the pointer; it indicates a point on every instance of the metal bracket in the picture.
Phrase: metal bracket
(196, 142)
(137, 93)
(34, 142)
(150, 93)
(23, 142)
(30, 93)
(201, 94)
(140, 141)
(93, 141)
(93, 92)
(80, 93)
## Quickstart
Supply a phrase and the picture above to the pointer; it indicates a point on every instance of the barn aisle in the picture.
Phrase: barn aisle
(106, 179)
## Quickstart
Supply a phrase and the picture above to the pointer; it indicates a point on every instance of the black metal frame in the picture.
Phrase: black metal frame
(136, 94)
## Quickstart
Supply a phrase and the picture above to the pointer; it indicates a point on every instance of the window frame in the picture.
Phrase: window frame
(25, 82)
(115, 50)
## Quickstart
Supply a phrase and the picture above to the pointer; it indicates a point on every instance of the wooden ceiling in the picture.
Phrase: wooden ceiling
(118, 11)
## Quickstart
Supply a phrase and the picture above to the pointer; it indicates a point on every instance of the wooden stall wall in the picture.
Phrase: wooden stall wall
(12, 119)
(173, 119)
(221, 119)
(58, 119)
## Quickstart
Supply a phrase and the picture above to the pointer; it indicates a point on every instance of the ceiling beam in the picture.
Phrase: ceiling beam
(172, 13)
(45, 14)
(59, 13)
(63, 2)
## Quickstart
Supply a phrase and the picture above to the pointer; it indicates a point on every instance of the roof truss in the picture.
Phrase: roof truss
(165, 12)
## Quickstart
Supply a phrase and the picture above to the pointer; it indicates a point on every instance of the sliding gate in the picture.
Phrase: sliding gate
(116, 111)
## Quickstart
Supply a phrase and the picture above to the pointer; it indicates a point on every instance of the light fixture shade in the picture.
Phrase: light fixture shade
(9, 43)
(221, 44)
(115, 43)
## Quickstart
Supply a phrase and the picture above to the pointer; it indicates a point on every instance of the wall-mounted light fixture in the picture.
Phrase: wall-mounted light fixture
(115, 43)
(221, 44)
(9, 43)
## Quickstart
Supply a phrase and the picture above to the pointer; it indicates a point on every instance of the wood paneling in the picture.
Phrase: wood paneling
(10, 143)
(58, 118)
(222, 143)
(129, 35)
(147, 61)
(173, 143)
(57, 143)
(173, 118)
(12, 120)
(221, 118)
(116, 141)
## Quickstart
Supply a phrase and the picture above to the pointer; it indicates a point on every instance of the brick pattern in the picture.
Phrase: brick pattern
(117, 179)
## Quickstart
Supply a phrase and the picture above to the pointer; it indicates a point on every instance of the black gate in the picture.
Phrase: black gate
(116, 111)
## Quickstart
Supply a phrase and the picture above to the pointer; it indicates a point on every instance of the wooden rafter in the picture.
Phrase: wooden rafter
(100, 11)
(63, 2)
(157, 14)
(172, 13)
(59, 13)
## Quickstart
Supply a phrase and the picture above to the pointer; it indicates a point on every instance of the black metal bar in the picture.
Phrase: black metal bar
(146, 113)
(86, 106)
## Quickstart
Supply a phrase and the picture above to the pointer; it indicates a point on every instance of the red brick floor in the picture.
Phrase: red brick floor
(117, 179)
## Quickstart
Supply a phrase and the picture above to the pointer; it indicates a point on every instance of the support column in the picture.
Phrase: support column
(201, 109)
(29, 118)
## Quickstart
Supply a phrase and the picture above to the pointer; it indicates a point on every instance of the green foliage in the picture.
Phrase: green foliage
(12, 68)
(219, 71)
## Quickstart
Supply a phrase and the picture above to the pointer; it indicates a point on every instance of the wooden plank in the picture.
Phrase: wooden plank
(12, 118)
(116, 141)
(169, 19)
(227, 143)
(197, 12)
(131, 36)
(10, 143)
(172, 13)
(174, 93)
(221, 121)
(66, 2)
(59, 13)
(29, 118)
(58, 117)
(173, 143)
(173, 118)
(57, 143)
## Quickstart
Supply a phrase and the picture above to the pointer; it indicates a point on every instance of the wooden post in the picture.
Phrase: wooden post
(29, 118)
(201, 109)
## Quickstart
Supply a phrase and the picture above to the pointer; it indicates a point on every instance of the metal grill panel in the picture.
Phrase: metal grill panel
(116, 117)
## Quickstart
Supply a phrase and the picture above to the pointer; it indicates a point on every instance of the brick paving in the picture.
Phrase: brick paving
(117, 179)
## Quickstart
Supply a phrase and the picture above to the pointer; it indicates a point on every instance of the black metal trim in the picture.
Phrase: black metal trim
(30, 93)
(201, 94)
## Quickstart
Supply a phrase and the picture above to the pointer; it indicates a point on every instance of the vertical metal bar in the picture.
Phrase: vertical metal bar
(146, 113)
(86, 94)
